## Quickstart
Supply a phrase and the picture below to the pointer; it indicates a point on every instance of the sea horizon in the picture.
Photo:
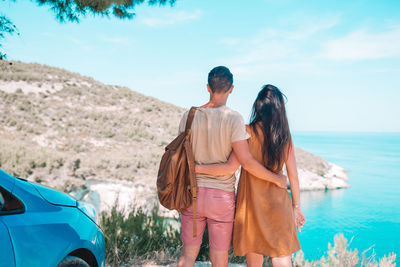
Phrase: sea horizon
(342, 132)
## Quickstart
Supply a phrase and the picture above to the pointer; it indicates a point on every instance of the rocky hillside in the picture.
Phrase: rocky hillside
(97, 141)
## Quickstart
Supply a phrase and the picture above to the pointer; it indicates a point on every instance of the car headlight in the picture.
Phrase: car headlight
(88, 210)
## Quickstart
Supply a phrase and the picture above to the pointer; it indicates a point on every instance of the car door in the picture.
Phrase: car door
(41, 233)
(7, 253)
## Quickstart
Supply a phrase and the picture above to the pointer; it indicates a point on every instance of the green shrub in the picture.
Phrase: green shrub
(138, 236)
(20, 159)
(340, 255)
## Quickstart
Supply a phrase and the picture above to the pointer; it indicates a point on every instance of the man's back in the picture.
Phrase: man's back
(213, 132)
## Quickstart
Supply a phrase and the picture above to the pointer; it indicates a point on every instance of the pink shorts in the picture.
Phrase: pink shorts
(217, 208)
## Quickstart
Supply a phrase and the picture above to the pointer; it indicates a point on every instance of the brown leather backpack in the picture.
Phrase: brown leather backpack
(176, 180)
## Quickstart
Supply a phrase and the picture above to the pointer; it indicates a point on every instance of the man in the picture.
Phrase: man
(216, 131)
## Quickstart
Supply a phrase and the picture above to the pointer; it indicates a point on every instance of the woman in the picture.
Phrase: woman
(266, 217)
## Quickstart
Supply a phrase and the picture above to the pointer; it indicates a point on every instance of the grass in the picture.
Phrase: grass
(136, 238)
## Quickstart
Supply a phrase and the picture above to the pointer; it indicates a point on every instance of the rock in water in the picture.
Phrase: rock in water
(317, 174)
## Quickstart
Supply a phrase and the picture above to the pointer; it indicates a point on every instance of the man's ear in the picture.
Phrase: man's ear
(230, 90)
(209, 89)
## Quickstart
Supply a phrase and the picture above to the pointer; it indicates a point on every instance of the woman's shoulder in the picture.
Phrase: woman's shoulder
(251, 128)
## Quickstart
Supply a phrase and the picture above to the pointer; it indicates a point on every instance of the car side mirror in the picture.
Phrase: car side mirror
(2, 201)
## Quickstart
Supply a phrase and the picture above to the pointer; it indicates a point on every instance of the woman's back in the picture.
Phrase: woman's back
(264, 221)
(256, 144)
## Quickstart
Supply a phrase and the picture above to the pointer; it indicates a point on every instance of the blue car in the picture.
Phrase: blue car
(42, 227)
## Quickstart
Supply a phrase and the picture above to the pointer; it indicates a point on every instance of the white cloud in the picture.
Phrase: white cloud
(171, 18)
(77, 41)
(114, 39)
(313, 27)
(289, 42)
(230, 41)
(287, 49)
(361, 45)
(272, 50)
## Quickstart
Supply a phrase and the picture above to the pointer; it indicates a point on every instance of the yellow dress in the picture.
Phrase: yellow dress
(264, 220)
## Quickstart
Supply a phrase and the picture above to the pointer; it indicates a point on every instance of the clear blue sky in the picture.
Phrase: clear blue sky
(338, 62)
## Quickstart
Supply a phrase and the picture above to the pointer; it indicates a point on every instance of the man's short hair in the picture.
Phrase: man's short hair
(220, 79)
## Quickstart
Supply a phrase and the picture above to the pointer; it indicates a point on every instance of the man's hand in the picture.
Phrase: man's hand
(282, 181)
(244, 157)
(299, 219)
(197, 168)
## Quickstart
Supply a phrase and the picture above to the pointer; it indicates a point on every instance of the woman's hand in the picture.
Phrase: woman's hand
(299, 219)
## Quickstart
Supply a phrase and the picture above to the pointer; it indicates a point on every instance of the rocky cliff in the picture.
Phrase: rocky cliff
(102, 143)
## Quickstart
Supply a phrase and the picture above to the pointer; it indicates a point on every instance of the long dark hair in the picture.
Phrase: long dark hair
(269, 110)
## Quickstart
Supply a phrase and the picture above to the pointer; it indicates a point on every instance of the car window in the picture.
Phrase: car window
(1, 201)
(11, 203)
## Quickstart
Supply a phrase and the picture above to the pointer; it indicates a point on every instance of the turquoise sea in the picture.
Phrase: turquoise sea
(369, 211)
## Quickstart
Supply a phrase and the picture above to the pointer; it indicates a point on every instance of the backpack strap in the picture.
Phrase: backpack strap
(189, 119)
(192, 174)
(193, 183)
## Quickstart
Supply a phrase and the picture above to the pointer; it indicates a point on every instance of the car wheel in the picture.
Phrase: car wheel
(71, 261)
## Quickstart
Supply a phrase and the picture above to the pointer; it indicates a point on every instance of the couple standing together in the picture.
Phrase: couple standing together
(266, 216)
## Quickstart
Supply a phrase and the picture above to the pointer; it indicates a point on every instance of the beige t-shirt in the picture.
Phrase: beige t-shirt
(213, 132)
